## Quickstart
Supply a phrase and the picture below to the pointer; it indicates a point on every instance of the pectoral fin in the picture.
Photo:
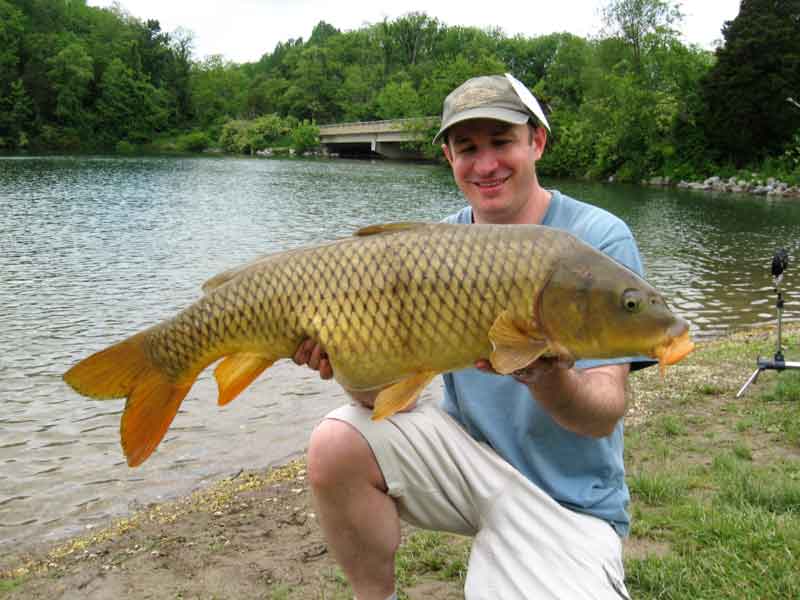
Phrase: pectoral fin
(512, 348)
(401, 395)
(236, 372)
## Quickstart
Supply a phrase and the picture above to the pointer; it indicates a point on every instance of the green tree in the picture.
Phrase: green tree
(70, 72)
(16, 117)
(398, 100)
(322, 33)
(305, 137)
(746, 114)
(129, 108)
(179, 76)
(11, 30)
(356, 98)
(641, 25)
(563, 83)
(219, 91)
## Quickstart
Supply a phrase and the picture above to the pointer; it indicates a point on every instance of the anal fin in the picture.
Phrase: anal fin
(236, 372)
(401, 395)
(512, 348)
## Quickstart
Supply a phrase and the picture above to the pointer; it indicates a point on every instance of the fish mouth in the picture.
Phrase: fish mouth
(674, 350)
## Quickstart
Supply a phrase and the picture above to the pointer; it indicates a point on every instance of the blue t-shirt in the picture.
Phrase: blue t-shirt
(583, 473)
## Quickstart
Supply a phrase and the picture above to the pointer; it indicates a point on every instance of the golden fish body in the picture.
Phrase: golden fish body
(393, 306)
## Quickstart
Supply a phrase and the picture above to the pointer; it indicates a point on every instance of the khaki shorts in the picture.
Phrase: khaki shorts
(526, 545)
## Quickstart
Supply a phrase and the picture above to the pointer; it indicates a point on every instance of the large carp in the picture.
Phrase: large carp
(393, 306)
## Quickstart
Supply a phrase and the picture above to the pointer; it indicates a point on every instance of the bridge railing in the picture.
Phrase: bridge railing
(369, 126)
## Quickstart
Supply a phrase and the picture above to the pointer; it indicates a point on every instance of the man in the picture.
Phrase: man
(529, 464)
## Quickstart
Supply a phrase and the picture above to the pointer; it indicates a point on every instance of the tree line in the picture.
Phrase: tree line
(629, 102)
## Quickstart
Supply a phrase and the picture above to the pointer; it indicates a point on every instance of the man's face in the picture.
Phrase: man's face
(494, 166)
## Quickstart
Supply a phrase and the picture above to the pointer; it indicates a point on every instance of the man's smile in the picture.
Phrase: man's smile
(490, 184)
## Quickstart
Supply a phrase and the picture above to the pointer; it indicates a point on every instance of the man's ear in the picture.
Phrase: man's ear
(447, 155)
(539, 141)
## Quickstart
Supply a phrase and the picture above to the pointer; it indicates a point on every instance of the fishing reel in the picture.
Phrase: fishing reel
(780, 262)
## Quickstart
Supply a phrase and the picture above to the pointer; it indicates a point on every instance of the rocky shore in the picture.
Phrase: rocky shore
(758, 187)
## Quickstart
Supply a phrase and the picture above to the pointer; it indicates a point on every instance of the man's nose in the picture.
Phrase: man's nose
(486, 162)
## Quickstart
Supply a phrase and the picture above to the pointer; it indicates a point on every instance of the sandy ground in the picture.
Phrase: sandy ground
(251, 536)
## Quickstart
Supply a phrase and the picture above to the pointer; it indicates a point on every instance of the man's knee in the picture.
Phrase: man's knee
(339, 454)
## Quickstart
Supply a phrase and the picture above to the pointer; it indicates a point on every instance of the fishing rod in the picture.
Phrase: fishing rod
(780, 262)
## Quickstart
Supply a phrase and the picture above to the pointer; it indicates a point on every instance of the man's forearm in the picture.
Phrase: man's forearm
(588, 402)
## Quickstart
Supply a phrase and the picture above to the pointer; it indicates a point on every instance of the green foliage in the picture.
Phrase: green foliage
(11, 35)
(17, 124)
(128, 108)
(398, 100)
(631, 103)
(305, 137)
(124, 147)
(642, 25)
(70, 72)
(746, 115)
(247, 137)
(424, 130)
(196, 141)
(218, 91)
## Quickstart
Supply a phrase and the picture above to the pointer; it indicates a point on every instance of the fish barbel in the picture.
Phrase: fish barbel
(393, 306)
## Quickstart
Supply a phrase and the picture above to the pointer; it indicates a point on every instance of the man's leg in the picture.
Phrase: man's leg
(357, 516)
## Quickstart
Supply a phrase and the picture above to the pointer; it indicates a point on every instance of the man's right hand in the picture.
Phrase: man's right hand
(312, 354)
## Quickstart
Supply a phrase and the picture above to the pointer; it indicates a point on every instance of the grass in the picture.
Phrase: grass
(7, 585)
(722, 506)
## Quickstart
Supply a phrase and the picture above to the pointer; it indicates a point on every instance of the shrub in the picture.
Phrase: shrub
(305, 137)
(196, 141)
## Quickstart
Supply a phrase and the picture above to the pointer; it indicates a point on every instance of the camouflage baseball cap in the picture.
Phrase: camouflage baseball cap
(497, 97)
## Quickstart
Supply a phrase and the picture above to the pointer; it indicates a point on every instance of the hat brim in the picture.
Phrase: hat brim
(506, 115)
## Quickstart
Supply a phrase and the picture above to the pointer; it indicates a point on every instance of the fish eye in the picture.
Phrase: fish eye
(632, 300)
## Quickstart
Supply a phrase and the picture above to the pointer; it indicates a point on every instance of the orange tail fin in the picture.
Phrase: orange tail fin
(124, 370)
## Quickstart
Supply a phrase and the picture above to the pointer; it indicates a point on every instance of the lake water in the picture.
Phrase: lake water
(94, 249)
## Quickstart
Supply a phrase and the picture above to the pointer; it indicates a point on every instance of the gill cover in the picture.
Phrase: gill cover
(599, 308)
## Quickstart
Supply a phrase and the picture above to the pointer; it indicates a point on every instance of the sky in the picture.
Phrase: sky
(244, 30)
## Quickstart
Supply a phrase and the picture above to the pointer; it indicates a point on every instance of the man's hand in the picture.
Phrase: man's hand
(312, 354)
(541, 367)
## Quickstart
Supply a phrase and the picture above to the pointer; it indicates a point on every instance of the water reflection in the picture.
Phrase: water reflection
(94, 249)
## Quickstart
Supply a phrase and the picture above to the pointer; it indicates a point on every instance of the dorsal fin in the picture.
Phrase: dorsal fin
(388, 228)
(224, 277)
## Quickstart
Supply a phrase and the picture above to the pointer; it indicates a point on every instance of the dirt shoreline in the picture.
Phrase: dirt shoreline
(253, 535)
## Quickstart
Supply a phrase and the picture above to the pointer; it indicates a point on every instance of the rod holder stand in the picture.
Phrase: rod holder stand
(777, 363)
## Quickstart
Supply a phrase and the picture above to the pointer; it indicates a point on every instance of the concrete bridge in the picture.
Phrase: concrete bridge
(385, 138)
